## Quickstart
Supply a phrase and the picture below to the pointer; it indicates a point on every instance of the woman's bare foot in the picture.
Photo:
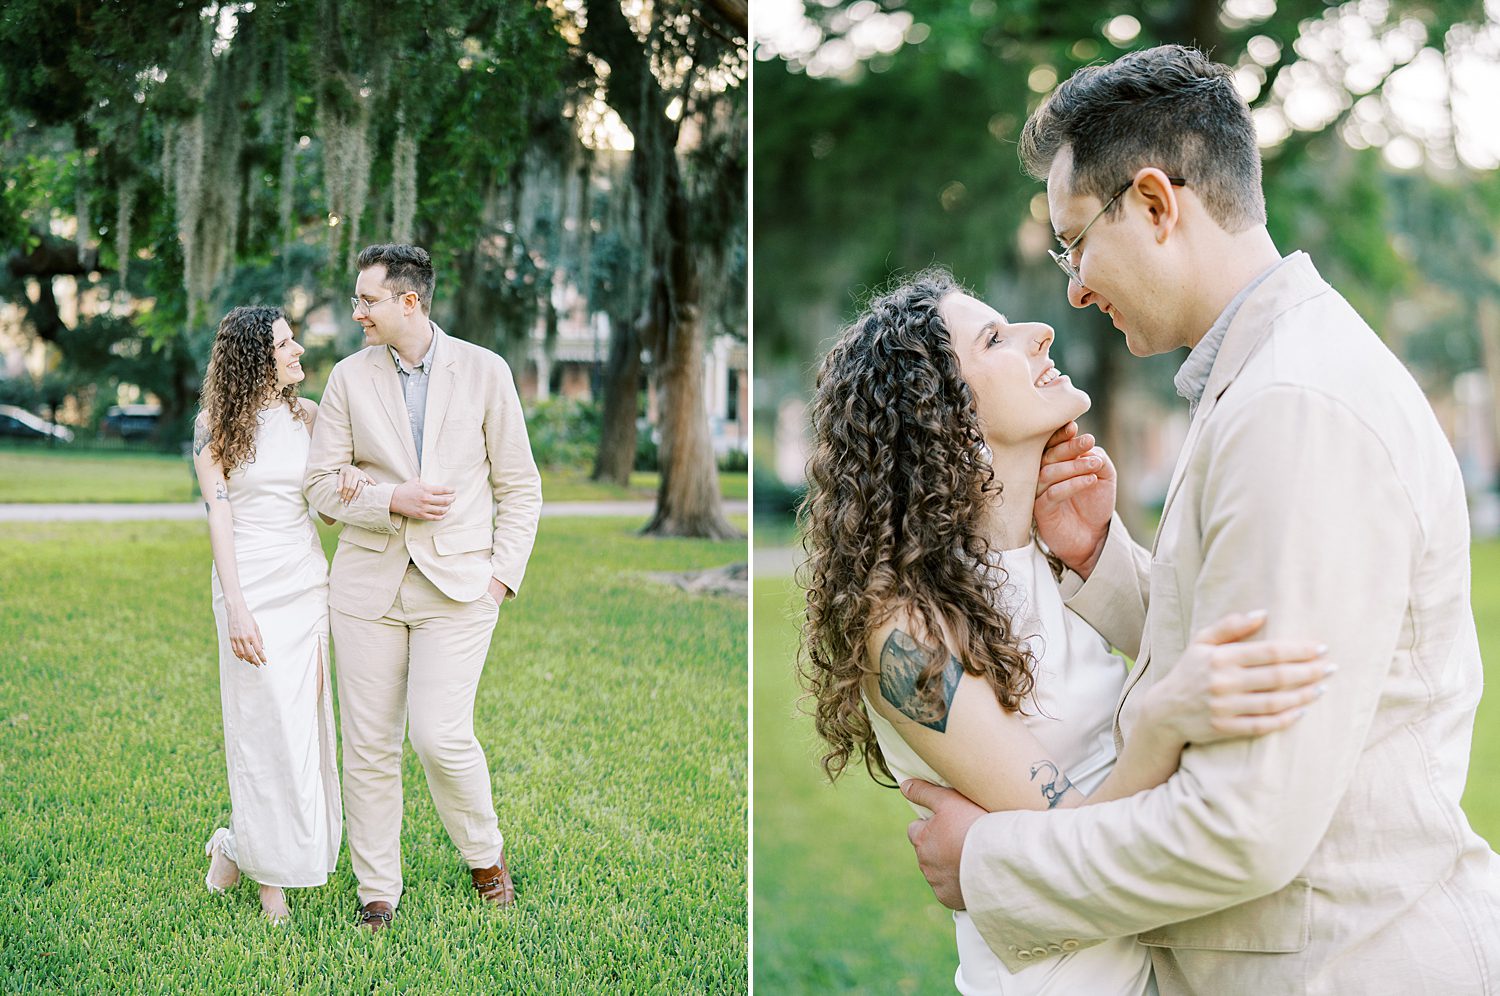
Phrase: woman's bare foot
(273, 904)
(222, 873)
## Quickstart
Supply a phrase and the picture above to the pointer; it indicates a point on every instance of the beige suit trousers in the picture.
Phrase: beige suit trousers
(420, 661)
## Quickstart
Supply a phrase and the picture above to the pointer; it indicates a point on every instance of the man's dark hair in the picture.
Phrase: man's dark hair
(1168, 107)
(407, 268)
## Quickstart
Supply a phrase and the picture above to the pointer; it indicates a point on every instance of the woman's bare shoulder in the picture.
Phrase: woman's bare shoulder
(900, 624)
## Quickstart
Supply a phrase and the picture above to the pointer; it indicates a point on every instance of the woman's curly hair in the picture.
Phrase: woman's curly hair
(898, 481)
(241, 382)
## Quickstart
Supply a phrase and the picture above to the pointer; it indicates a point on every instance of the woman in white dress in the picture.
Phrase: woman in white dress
(937, 644)
(270, 601)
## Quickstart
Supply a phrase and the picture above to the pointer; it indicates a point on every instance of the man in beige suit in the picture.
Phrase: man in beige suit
(1315, 483)
(428, 553)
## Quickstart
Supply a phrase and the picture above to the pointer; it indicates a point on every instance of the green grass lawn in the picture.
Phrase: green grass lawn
(612, 711)
(839, 902)
(39, 475)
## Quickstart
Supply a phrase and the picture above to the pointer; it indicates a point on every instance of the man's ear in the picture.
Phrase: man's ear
(1155, 190)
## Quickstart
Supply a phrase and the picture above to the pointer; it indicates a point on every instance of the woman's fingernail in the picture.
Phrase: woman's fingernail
(1322, 649)
(1322, 689)
(1256, 613)
(1330, 667)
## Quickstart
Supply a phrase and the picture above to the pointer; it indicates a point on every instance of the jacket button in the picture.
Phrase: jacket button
(1070, 945)
(1023, 955)
(1039, 952)
(1054, 948)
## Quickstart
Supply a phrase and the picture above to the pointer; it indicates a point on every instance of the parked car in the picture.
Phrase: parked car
(130, 421)
(20, 423)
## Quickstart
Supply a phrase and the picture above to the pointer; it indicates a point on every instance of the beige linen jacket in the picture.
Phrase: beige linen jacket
(474, 441)
(1333, 857)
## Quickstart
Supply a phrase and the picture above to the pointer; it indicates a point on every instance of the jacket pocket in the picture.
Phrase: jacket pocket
(461, 443)
(365, 538)
(1280, 923)
(463, 540)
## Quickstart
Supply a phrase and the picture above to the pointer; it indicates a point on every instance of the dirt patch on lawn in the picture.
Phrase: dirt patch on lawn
(732, 580)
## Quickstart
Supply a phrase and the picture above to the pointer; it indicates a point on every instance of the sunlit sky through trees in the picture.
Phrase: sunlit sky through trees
(1435, 107)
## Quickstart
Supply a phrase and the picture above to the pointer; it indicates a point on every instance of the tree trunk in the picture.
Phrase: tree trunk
(473, 314)
(622, 385)
(687, 500)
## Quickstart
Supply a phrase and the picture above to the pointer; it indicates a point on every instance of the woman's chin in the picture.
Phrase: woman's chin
(1083, 404)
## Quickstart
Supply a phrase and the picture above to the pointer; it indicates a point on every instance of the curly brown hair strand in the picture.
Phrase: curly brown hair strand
(241, 382)
(898, 482)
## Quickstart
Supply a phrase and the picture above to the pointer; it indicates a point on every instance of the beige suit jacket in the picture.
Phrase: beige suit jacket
(474, 441)
(1333, 857)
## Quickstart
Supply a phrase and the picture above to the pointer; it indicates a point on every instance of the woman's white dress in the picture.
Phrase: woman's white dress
(286, 817)
(1071, 712)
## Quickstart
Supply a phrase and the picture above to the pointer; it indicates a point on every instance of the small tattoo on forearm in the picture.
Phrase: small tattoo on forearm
(902, 661)
(221, 491)
(1054, 786)
(200, 436)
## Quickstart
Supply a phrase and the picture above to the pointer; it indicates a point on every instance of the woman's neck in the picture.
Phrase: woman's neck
(1007, 518)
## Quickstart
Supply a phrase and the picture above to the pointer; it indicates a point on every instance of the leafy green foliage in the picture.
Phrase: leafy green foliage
(564, 432)
(105, 111)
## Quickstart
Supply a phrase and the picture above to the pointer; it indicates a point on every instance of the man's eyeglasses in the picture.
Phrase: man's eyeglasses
(1065, 260)
(358, 304)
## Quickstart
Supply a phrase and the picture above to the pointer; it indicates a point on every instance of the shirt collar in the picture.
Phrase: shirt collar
(1192, 377)
(425, 366)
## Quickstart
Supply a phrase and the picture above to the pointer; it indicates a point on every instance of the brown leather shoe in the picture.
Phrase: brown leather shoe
(493, 884)
(376, 916)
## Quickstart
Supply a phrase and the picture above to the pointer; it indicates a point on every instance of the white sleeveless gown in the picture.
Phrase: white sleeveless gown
(1071, 711)
(286, 816)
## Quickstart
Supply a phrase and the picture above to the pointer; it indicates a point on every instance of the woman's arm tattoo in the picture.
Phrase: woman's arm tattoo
(902, 661)
(1054, 783)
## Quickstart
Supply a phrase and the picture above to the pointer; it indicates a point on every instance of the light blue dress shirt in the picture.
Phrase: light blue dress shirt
(414, 381)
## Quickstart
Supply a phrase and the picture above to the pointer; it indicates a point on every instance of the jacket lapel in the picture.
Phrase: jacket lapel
(1294, 281)
(388, 388)
(439, 394)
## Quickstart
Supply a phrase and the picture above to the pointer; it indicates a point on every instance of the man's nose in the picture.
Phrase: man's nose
(1079, 296)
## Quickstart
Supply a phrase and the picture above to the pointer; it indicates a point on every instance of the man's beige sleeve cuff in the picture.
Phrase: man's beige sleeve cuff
(993, 914)
(1114, 598)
